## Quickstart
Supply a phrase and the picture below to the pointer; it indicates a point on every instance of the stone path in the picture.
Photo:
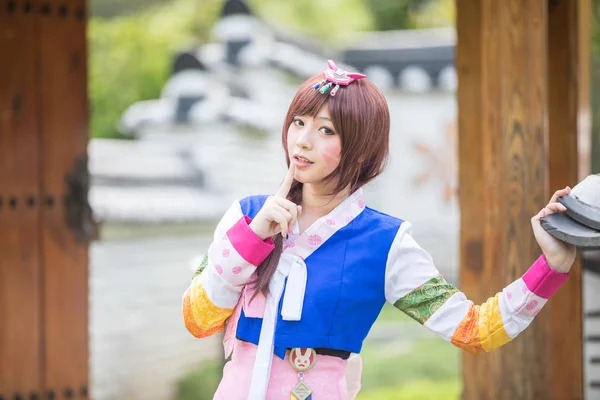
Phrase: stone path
(139, 346)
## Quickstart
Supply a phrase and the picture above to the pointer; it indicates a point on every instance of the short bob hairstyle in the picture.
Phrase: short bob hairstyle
(361, 117)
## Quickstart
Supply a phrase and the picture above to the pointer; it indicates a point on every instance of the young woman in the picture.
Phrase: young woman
(300, 277)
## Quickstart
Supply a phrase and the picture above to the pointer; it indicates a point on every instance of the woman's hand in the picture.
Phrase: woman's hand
(559, 255)
(278, 214)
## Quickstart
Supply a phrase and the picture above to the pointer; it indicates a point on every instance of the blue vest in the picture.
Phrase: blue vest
(345, 288)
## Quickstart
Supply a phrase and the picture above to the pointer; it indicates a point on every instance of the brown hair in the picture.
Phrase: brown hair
(361, 117)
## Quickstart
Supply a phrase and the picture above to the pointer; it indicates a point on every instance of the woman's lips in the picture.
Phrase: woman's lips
(301, 162)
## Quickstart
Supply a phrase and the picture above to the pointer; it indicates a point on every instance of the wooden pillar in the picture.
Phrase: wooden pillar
(44, 215)
(512, 155)
(569, 148)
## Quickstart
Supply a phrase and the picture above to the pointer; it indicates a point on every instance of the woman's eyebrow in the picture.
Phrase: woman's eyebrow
(321, 117)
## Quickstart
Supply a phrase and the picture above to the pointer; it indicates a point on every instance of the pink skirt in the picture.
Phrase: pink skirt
(327, 378)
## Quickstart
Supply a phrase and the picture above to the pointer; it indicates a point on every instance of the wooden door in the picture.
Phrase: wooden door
(44, 216)
(21, 332)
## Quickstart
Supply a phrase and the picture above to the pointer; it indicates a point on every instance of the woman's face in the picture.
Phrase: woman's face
(314, 146)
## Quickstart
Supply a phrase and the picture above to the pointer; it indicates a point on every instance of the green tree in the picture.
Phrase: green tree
(330, 22)
(411, 14)
(130, 57)
(391, 15)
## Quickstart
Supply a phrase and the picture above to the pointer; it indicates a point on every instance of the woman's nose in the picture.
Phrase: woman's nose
(304, 140)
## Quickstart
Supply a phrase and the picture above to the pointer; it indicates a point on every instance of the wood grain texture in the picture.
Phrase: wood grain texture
(470, 168)
(64, 130)
(568, 138)
(20, 326)
(505, 171)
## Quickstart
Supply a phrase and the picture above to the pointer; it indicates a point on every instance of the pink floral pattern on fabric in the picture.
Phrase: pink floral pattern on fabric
(229, 264)
(525, 303)
(315, 240)
(531, 305)
(305, 243)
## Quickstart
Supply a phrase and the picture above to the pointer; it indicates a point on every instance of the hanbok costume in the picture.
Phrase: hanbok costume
(329, 287)
(301, 342)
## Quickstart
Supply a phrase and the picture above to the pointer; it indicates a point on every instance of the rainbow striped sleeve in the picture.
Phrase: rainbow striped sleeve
(415, 287)
(217, 284)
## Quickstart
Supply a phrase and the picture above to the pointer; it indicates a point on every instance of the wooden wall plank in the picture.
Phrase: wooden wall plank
(64, 135)
(470, 169)
(568, 147)
(20, 327)
(503, 56)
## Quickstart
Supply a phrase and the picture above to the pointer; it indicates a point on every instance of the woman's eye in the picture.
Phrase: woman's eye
(298, 122)
(326, 130)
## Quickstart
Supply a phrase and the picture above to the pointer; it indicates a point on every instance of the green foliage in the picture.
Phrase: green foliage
(328, 21)
(411, 14)
(201, 383)
(130, 57)
(391, 15)
(416, 390)
(335, 20)
(435, 14)
(401, 362)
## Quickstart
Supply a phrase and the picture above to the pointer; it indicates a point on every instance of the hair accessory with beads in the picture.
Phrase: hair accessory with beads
(339, 77)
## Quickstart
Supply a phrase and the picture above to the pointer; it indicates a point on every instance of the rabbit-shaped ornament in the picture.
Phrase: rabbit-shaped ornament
(302, 360)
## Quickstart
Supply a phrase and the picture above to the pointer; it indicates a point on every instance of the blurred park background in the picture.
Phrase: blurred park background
(187, 99)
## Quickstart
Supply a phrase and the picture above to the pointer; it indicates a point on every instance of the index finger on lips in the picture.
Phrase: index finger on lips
(284, 189)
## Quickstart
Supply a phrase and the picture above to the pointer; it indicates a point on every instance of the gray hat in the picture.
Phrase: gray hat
(580, 224)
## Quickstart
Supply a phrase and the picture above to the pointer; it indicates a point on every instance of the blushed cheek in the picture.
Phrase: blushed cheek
(331, 155)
